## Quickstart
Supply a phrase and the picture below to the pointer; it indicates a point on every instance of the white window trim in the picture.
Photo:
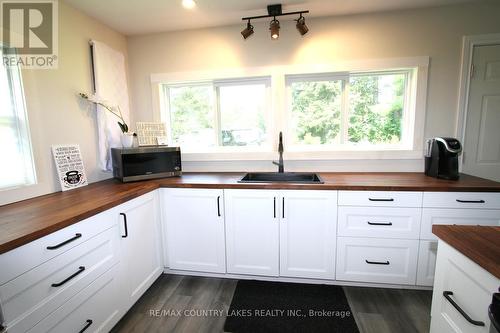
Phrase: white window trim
(278, 114)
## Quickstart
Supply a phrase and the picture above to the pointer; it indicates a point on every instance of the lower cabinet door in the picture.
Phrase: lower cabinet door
(377, 260)
(426, 263)
(140, 245)
(308, 234)
(252, 232)
(94, 309)
(194, 221)
(462, 293)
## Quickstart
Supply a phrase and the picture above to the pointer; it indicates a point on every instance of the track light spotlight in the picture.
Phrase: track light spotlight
(248, 31)
(301, 25)
(275, 28)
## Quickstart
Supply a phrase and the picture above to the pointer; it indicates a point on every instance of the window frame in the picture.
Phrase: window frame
(342, 143)
(20, 122)
(216, 110)
(417, 105)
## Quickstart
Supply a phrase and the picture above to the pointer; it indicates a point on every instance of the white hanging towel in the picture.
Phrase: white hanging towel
(110, 84)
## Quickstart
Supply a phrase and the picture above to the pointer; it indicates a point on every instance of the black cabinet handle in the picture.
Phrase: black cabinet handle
(375, 199)
(379, 223)
(64, 243)
(377, 262)
(274, 207)
(80, 270)
(447, 295)
(218, 205)
(471, 201)
(87, 325)
(283, 208)
(125, 224)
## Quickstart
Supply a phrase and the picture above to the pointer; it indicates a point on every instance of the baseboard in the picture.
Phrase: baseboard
(294, 280)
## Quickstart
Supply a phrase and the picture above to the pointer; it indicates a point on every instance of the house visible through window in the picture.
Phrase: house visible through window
(17, 165)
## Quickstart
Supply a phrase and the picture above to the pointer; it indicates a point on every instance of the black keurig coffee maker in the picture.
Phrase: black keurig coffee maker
(441, 158)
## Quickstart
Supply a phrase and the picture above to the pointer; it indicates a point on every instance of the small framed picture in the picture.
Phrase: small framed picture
(69, 165)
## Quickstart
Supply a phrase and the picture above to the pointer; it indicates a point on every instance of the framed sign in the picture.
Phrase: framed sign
(148, 133)
(69, 166)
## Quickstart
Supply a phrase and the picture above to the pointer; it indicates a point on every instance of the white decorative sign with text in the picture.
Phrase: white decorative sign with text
(69, 165)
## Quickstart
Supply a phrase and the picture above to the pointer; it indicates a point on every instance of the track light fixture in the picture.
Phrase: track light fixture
(274, 26)
(248, 31)
(301, 25)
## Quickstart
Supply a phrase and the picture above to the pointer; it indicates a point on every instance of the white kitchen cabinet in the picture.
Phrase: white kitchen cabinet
(380, 198)
(432, 216)
(458, 279)
(426, 263)
(379, 222)
(194, 227)
(94, 309)
(252, 231)
(377, 260)
(308, 234)
(140, 245)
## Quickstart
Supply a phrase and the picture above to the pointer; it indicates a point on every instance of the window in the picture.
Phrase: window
(17, 168)
(218, 115)
(368, 110)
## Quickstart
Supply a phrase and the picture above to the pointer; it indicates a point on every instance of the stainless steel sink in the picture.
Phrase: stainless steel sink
(281, 177)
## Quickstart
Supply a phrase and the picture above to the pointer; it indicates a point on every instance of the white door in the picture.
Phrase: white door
(141, 247)
(252, 232)
(194, 223)
(308, 234)
(482, 137)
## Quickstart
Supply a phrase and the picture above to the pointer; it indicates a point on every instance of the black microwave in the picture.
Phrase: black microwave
(132, 164)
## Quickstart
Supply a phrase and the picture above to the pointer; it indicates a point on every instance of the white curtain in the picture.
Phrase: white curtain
(110, 82)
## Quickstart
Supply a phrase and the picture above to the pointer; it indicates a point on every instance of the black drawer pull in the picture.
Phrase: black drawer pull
(375, 199)
(87, 325)
(218, 205)
(471, 201)
(274, 207)
(80, 270)
(379, 223)
(125, 224)
(447, 295)
(283, 208)
(377, 262)
(64, 243)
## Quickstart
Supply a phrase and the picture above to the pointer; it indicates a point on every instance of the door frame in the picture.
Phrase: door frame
(468, 44)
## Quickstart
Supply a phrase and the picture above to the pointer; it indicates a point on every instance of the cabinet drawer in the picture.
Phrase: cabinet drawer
(462, 200)
(379, 222)
(32, 296)
(472, 288)
(376, 260)
(28, 256)
(94, 307)
(432, 216)
(426, 263)
(380, 198)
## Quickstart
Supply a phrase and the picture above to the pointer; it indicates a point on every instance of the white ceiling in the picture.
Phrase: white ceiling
(133, 17)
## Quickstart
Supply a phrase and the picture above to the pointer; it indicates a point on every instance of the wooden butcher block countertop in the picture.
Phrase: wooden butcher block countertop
(25, 221)
(481, 244)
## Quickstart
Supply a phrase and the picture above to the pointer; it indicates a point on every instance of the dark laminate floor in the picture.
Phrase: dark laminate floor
(375, 309)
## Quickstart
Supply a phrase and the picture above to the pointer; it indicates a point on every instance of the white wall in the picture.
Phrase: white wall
(54, 111)
(434, 32)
